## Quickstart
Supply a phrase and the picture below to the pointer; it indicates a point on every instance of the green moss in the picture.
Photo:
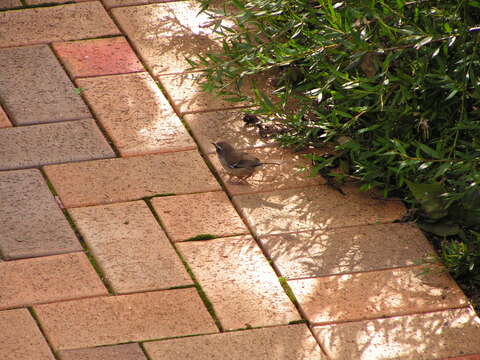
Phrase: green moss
(159, 195)
(202, 237)
(288, 290)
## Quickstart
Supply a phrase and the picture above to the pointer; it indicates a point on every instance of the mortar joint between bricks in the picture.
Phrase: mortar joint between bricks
(36, 319)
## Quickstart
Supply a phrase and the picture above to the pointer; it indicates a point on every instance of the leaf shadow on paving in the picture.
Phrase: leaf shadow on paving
(166, 34)
(428, 336)
(314, 207)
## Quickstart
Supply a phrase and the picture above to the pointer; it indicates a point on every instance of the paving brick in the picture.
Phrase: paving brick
(294, 342)
(346, 250)
(414, 337)
(35, 145)
(116, 180)
(98, 57)
(117, 319)
(4, 122)
(47, 279)
(376, 294)
(9, 4)
(35, 88)
(32, 223)
(187, 96)
(227, 126)
(118, 3)
(186, 216)
(59, 23)
(239, 282)
(23, 340)
(116, 352)
(316, 207)
(49, 2)
(112, 232)
(136, 114)
(176, 32)
(292, 171)
(467, 357)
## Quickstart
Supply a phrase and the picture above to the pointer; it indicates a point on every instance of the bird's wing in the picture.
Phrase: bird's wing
(246, 160)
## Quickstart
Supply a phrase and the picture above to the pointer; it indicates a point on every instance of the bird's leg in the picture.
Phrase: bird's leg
(243, 179)
(233, 182)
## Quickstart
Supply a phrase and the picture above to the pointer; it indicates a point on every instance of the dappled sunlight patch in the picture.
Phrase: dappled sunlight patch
(316, 207)
(165, 34)
(237, 279)
(346, 250)
(376, 294)
(414, 337)
(136, 114)
(282, 342)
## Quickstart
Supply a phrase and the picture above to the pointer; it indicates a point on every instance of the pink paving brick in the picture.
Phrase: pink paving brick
(59, 23)
(136, 114)
(47, 279)
(239, 282)
(315, 207)
(98, 57)
(115, 352)
(23, 340)
(35, 145)
(346, 250)
(376, 294)
(187, 216)
(34, 87)
(227, 126)
(117, 319)
(178, 31)
(150, 263)
(4, 122)
(293, 342)
(415, 337)
(116, 180)
(292, 171)
(32, 222)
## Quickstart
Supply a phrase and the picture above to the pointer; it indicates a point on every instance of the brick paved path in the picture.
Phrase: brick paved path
(100, 118)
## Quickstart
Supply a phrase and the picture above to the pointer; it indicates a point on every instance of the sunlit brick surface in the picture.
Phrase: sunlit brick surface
(436, 335)
(239, 282)
(376, 294)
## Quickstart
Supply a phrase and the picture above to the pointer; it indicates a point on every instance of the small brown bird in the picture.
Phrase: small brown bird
(239, 164)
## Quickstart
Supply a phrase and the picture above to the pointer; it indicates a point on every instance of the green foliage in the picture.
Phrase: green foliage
(393, 83)
(462, 258)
